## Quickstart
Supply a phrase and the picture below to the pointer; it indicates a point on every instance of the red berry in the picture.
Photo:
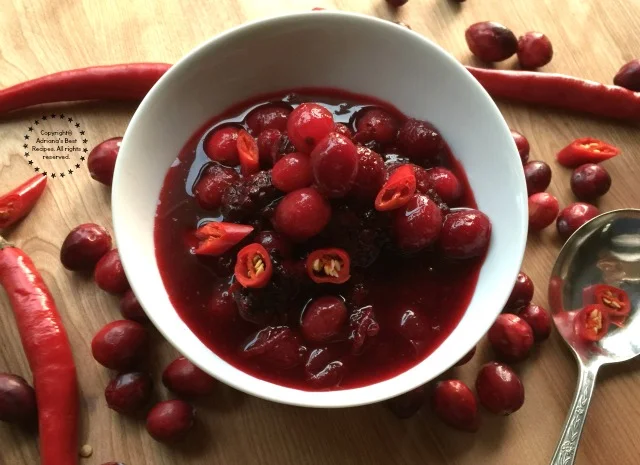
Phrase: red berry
(182, 377)
(302, 214)
(370, 176)
(131, 309)
(268, 143)
(417, 224)
(334, 161)
(102, 160)
(419, 140)
(408, 404)
(128, 393)
(222, 305)
(511, 337)
(343, 129)
(276, 347)
(323, 318)
(446, 185)
(109, 274)
(534, 50)
(539, 320)
(170, 420)
(538, 176)
(308, 124)
(292, 172)
(120, 345)
(590, 181)
(454, 403)
(574, 216)
(413, 327)
(522, 292)
(465, 234)
(221, 146)
(84, 246)
(276, 244)
(522, 144)
(17, 400)
(322, 370)
(490, 41)
(268, 117)
(629, 76)
(499, 389)
(543, 210)
(214, 181)
(376, 125)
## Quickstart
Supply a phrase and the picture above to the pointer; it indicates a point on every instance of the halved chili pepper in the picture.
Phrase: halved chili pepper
(398, 189)
(253, 266)
(16, 204)
(217, 237)
(586, 150)
(329, 266)
(613, 299)
(592, 322)
(248, 153)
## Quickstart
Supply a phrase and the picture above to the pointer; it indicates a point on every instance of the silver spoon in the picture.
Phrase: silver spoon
(605, 250)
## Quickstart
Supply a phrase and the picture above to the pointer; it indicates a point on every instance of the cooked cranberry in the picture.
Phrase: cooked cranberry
(267, 117)
(170, 420)
(446, 184)
(534, 50)
(17, 400)
(423, 180)
(511, 337)
(302, 214)
(522, 292)
(467, 358)
(185, 379)
(243, 201)
(543, 210)
(109, 274)
(128, 393)
(102, 160)
(221, 146)
(268, 143)
(499, 389)
(84, 246)
(396, 3)
(417, 224)
(539, 320)
(465, 234)
(308, 124)
(131, 309)
(590, 181)
(376, 125)
(491, 41)
(222, 305)
(120, 345)
(277, 245)
(370, 176)
(282, 147)
(363, 327)
(277, 347)
(454, 403)
(343, 129)
(413, 327)
(574, 216)
(629, 76)
(419, 140)
(215, 180)
(407, 404)
(323, 318)
(335, 164)
(292, 172)
(322, 370)
(522, 144)
(538, 176)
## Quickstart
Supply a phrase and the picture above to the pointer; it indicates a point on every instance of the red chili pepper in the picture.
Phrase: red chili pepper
(329, 266)
(398, 189)
(248, 153)
(592, 322)
(253, 266)
(48, 352)
(130, 81)
(560, 91)
(218, 237)
(586, 150)
(16, 204)
(613, 299)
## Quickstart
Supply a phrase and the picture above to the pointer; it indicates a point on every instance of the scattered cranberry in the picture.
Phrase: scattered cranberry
(467, 358)
(277, 246)
(277, 347)
(308, 124)
(465, 234)
(574, 216)
(397, 3)
(268, 144)
(511, 337)
(343, 130)
(335, 164)
(322, 371)
(522, 292)
(131, 309)
(214, 181)
(534, 50)
(543, 210)
(417, 224)
(102, 160)
(128, 393)
(522, 144)
(454, 403)
(420, 140)
(490, 41)
(268, 117)
(302, 214)
(370, 176)
(407, 404)
(538, 176)
(446, 185)
(17, 400)
(376, 125)
(170, 420)
(629, 76)
(182, 377)
(292, 172)
(499, 389)
(539, 320)
(84, 246)
(590, 181)
(120, 344)
(323, 318)
(223, 307)
(221, 146)
(109, 273)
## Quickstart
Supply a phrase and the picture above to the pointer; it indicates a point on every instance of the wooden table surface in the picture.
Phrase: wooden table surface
(591, 39)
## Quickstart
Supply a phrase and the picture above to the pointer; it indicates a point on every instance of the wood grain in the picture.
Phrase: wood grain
(591, 38)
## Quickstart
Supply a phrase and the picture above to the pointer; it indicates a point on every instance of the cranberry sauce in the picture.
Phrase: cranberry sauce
(399, 306)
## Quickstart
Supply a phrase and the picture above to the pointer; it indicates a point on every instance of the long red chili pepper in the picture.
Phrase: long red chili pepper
(46, 345)
(17, 203)
(560, 91)
(129, 81)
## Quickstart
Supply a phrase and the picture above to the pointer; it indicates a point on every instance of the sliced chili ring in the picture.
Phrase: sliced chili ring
(586, 150)
(614, 299)
(253, 266)
(216, 237)
(248, 153)
(398, 189)
(592, 323)
(329, 266)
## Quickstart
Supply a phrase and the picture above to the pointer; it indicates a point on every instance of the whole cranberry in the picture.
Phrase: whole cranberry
(539, 320)
(467, 358)
(84, 246)
(534, 50)
(131, 309)
(499, 389)
(543, 210)
(266, 117)
(268, 143)
(128, 393)
(343, 129)
(292, 172)
(491, 41)
(417, 224)
(322, 370)
(454, 403)
(222, 305)
(334, 161)
(102, 160)
(17, 400)
(408, 404)
(629, 76)
(465, 234)
(413, 327)
(590, 181)
(215, 179)
(396, 3)
(221, 146)
(182, 377)
(377, 125)
(446, 184)
(109, 274)
(522, 292)
(274, 346)
(302, 214)
(574, 216)
(370, 176)
(277, 245)
(323, 318)
(419, 140)
(170, 420)
(538, 176)
(511, 337)
(120, 345)
(308, 124)
(522, 144)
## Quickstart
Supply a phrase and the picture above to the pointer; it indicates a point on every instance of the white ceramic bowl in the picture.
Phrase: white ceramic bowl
(356, 53)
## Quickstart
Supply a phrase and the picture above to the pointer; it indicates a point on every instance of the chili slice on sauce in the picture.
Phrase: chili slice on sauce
(248, 153)
(253, 266)
(586, 150)
(398, 189)
(215, 238)
(592, 322)
(329, 266)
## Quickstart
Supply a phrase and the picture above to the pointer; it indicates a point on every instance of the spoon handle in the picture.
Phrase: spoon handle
(565, 453)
